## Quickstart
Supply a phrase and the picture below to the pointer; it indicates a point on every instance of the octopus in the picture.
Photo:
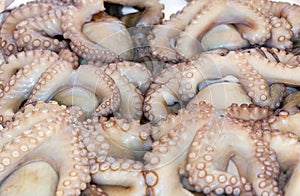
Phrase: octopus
(256, 22)
(282, 133)
(178, 83)
(44, 133)
(114, 114)
(198, 154)
(195, 155)
(98, 150)
(116, 85)
(22, 72)
(54, 25)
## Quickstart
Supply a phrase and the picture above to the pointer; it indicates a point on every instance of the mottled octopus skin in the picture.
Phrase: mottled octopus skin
(195, 150)
(49, 137)
(8, 44)
(223, 12)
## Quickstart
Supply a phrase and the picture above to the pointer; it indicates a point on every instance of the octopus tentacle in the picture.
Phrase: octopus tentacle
(170, 151)
(34, 144)
(30, 115)
(202, 157)
(129, 70)
(248, 112)
(93, 190)
(20, 86)
(107, 31)
(159, 94)
(104, 87)
(203, 172)
(152, 13)
(69, 56)
(258, 32)
(280, 9)
(8, 44)
(286, 146)
(28, 34)
(17, 62)
(162, 42)
(131, 134)
(281, 34)
(72, 20)
(113, 146)
(276, 55)
(283, 122)
(131, 100)
(221, 95)
(112, 169)
(131, 86)
(251, 67)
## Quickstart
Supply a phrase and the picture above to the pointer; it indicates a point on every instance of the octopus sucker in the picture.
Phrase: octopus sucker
(256, 32)
(8, 44)
(49, 140)
(100, 84)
